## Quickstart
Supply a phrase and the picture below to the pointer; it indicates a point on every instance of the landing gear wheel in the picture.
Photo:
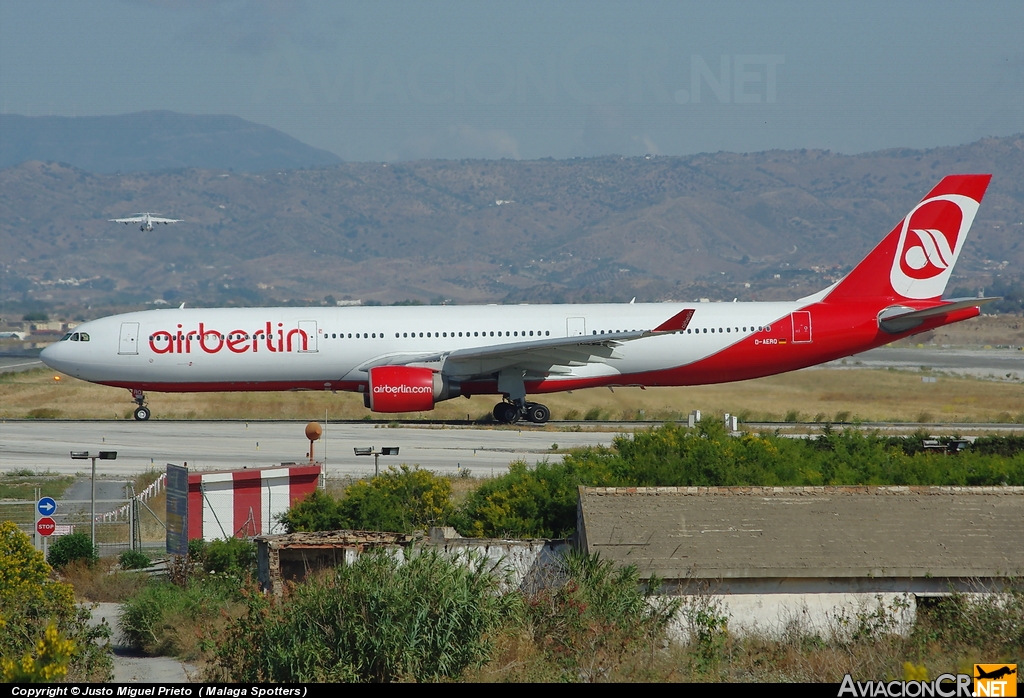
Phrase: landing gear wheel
(506, 413)
(537, 413)
(142, 414)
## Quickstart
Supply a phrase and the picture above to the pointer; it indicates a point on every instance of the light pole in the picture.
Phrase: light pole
(86, 455)
(368, 451)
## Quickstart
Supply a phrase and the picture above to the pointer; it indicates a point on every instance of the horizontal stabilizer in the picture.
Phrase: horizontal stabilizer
(898, 318)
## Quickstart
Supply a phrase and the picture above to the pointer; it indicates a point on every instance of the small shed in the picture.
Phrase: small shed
(289, 557)
(772, 553)
(293, 556)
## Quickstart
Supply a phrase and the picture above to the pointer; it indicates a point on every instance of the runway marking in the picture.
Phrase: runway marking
(30, 363)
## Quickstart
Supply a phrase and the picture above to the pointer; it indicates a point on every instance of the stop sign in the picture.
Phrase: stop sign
(46, 526)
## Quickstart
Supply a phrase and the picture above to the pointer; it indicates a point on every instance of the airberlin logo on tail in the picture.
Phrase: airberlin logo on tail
(930, 242)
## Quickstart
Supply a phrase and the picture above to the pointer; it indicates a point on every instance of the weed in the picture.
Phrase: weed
(380, 619)
(167, 619)
(707, 624)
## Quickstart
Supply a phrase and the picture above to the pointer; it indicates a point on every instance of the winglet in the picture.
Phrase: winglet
(677, 322)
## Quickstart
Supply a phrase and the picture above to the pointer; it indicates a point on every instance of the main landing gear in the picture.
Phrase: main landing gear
(142, 413)
(512, 412)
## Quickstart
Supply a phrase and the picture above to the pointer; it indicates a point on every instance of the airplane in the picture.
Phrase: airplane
(146, 219)
(407, 358)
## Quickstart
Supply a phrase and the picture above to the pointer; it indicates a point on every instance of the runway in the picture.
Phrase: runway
(17, 364)
(996, 364)
(42, 446)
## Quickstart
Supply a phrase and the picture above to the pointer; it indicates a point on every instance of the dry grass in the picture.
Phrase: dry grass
(100, 582)
(825, 394)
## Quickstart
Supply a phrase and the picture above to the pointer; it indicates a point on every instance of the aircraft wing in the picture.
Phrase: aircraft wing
(540, 355)
(126, 221)
(154, 219)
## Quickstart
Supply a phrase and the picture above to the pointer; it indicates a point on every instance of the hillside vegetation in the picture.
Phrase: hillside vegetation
(608, 228)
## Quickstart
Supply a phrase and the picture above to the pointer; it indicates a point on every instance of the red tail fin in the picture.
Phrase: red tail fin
(915, 260)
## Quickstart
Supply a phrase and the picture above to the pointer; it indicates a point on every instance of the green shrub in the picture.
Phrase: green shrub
(380, 619)
(527, 502)
(134, 560)
(38, 617)
(400, 499)
(72, 548)
(232, 556)
(196, 549)
(541, 501)
(317, 512)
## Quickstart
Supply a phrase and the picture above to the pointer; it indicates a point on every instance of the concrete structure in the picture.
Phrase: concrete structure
(814, 556)
(247, 502)
(291, 557)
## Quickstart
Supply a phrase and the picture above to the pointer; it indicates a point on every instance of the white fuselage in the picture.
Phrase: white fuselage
(324, 348)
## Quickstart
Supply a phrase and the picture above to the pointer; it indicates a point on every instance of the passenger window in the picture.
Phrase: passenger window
(547, 332)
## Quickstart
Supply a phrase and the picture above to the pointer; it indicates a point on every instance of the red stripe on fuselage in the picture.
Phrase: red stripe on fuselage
(839, 330)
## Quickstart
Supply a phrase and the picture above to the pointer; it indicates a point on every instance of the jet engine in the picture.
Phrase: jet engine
(407, 389)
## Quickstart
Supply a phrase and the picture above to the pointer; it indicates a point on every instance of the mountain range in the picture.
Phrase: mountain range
(765, 225)
(153, 140)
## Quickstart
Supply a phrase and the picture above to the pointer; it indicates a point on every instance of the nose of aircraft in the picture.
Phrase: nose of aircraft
(56, 357)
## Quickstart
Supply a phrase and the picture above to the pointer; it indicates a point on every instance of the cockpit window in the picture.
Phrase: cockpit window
(74, 337)
(84, 336)
(66, 337)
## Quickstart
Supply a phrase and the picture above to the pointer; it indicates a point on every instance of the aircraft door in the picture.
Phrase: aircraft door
(309, 327)
(575, 326)
(802, 327)
(129, 343)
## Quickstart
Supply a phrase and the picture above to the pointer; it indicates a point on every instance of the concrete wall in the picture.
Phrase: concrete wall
(829, 615)
(523, 565)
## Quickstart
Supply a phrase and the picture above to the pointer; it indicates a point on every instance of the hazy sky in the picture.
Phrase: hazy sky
(386, 80)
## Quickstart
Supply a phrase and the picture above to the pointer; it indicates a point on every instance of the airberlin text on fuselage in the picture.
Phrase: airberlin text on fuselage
(212, 341)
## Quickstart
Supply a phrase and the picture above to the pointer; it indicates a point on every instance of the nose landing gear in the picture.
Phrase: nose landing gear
(512, 412)
(142, 413)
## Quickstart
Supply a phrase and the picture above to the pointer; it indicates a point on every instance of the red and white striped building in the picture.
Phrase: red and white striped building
(245, 503)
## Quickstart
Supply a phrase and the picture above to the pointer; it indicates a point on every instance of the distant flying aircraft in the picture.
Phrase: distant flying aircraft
(405, 359)
(146, 219)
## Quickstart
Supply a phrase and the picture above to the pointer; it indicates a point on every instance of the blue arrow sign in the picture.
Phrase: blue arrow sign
(46, 506)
